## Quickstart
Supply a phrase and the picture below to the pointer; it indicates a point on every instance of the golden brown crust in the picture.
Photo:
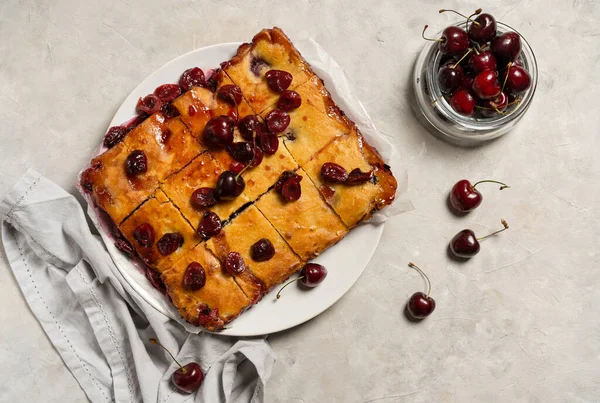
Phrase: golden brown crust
(243, 232)
(220, 292)
(113, 190)
(165, 219)
(308, 224)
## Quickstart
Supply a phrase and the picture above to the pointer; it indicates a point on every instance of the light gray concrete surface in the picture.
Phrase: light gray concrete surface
(518, 323)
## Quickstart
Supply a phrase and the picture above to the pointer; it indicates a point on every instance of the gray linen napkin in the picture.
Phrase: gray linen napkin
(98, 324)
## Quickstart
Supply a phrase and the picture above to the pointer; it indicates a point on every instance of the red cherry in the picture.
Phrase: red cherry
(463, 102)
(169, 243)
(311, 275)
(262, 250)
(517, 80)
(464, 197)
(450, 76)
(218, 132)
(230, 93)
(194, 277)
(136, 163)
(268, 142)
(144, 235)
(229, 186)
(234, 263)
(506, 47)
(465, 244)
(167, 92)
(334, 173)
(203, 198)
(454, 40)
(420, 305)
(149, 104)
(236, 167)
(193, 77)
(288, 186)
(481, 62)
(278, 80)
(114, 135)
(210, 225)
(248, 127)
(289, 100)
(486, 85)
(187, 378)
(277, 121)
(484, 30)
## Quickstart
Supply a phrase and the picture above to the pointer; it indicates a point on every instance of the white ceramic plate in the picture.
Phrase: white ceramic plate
(344, 261)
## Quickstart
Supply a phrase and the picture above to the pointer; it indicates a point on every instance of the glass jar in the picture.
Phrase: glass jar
(436, 113)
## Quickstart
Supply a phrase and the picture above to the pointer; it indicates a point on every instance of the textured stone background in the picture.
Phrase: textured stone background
(519, 323)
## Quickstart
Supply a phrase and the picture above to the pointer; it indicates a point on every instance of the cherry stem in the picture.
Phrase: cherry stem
(429, 39)
(462, 15)
(506, 77)
(462, 58)
(154, 341)
(504, 223)
(476, 12)
(414, 266)
(504, 185)
(288, 283)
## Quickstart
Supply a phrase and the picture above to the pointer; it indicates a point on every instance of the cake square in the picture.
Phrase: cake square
(310, 128)
(308, 224)
(351, 202)
(112, 189)
(201, 172)
(165, 220)
(167, 143)
(270, 49)
(243, 232)
(220, 293)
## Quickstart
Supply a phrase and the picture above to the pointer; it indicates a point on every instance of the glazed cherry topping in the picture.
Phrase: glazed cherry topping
(144, 234)
(236, 167)
(167, 92)
(229, 186)
(234, 263)
(241, 151)
(248, 126)
(169, 243)
(136, 163)
(356, 176)
(311, 276)
(210, 225)
(203, 198)
(149, 104)
(517, 80)
(194, 276)
(289, 100)
(450, 77)
(485, 29)
(494, 106)
(288, 186)
(193, 77)
(170, 111)
(481, 62)
(506, 47)
(114, 135)
(486, 85)
(334, 173)
(125, 247)
(262, 250)
(85, 181)
(277, 121)
(218, 132)
(268, 142)
(154, 277)
(463, 102)
(278, 80)
(230, 93)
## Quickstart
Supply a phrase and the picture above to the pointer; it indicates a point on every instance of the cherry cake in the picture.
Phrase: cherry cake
(226, 184)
